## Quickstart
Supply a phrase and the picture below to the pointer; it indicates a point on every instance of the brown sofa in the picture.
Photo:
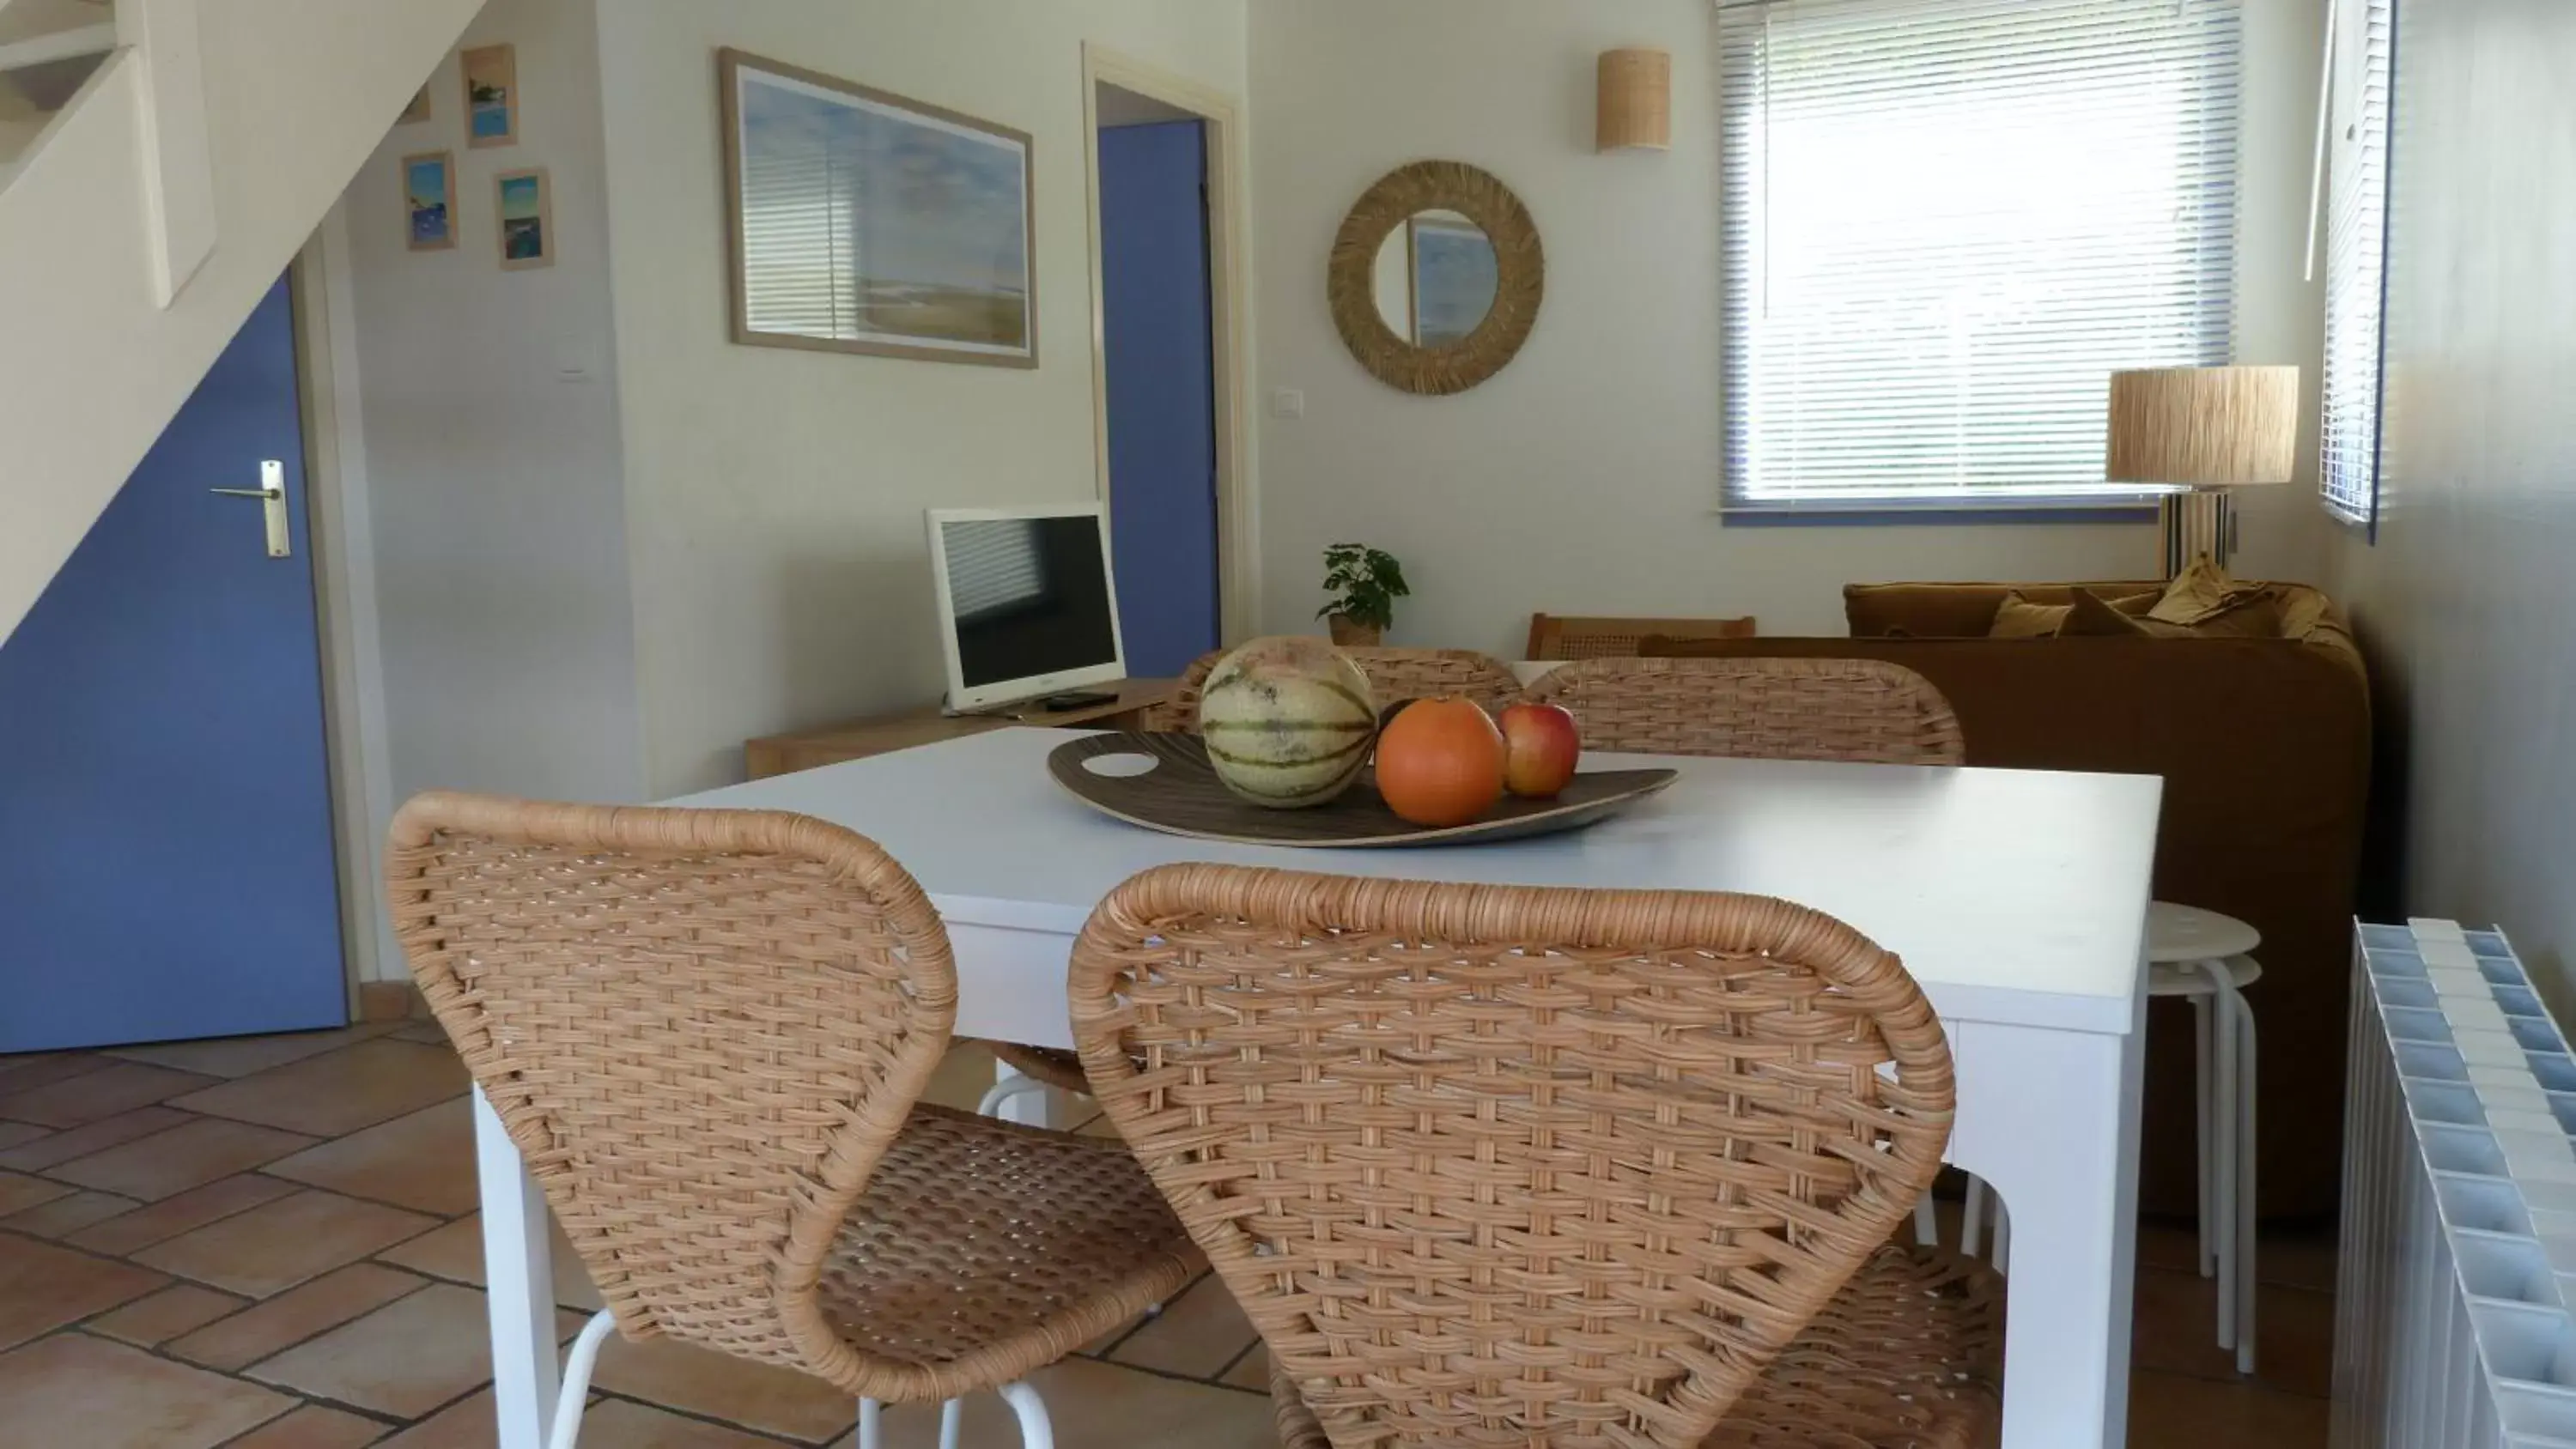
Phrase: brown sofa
(2264, 746)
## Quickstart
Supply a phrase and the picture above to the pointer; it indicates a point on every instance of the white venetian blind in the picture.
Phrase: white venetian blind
(992, 564)
(799, 194)
(2356, 259)
(1945, 223)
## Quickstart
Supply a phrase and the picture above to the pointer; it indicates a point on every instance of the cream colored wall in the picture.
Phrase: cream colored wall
(2463, 604)
(91, 369)
(491, 450)
(1391, 282)
(1583, 478)
(774, 497)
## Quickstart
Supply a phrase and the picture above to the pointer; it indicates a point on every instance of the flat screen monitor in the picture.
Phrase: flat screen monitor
(1025, 602)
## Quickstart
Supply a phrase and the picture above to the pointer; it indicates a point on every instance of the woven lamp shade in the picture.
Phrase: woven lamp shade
(2204, 427)
(1636, 101)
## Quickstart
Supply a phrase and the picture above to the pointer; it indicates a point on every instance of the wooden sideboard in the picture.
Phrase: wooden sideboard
(857, 739)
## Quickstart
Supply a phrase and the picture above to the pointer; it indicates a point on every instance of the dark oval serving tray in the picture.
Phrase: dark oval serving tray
(1181, 795)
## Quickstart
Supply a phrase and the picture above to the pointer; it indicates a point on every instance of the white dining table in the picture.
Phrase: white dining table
(2017, 898)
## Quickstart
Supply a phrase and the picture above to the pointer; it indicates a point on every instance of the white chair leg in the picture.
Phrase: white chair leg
(2246, 1278)
(569, 1400)
(871, 1424)
(1004, 1091)
(1035, 1431)
(2202, 1064)
(1927, 1223)
(2224, 1155)
(1972, 1218)
(949, 1413)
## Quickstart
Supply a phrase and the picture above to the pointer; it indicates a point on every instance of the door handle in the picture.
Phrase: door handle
(271, 493)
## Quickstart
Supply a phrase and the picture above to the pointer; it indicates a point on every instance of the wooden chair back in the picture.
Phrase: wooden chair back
(1862, 710)
(1506, 1165)
(1555, 636)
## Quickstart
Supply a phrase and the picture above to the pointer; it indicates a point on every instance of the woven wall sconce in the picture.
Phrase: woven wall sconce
(1636, 101)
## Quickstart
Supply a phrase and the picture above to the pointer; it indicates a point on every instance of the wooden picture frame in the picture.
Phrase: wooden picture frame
(523, 215)
(967, 291)
(490, 75)
(429, 217)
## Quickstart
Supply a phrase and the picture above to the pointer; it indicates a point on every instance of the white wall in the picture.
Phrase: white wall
(488, 406)
(1583, 477)
(774, 497)
(90, 368)
(2463, 605)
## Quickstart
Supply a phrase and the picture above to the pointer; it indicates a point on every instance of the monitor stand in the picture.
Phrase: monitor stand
(1076, 699)
(1072, 701)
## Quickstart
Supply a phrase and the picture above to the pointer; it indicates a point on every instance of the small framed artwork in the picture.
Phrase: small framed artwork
(1455, 274)
(525, 203)
(860, 221)
(417, 111)
(491, 95)
(429, 200)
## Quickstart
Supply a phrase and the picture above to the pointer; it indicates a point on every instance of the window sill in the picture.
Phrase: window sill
(2042, 513)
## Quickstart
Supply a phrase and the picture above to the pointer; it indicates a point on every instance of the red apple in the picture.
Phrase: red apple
(1539, 749)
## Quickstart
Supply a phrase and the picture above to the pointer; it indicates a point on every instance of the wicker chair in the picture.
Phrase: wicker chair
(1862, 710)
(1496, 1165)
(1555, 636)
(1393, 674)
(706, 1031)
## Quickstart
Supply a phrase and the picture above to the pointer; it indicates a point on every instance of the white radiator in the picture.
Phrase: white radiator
(2459, 1202)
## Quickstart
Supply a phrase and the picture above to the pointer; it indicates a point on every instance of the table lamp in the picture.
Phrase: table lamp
(2196, 432)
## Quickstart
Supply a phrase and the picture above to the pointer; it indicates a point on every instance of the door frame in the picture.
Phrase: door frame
(323, 289)
(1238, 553)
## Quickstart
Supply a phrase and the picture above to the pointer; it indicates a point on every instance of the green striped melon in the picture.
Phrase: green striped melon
(1287, 721)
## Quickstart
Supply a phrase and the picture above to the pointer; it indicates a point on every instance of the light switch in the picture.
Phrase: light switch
(1287, 402)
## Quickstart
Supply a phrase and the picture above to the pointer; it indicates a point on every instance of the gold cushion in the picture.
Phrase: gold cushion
(2203, 592)
(2093, 617)
(2019, 618)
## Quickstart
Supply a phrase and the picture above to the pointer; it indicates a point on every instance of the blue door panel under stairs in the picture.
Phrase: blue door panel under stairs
(166, 863)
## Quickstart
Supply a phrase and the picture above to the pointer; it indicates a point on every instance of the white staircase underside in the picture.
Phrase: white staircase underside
(92, 366)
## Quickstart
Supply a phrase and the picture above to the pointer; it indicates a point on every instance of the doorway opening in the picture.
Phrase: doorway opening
(1170, 456)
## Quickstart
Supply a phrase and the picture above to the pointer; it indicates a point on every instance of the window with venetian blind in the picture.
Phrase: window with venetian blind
(2356, 257)
(1945, 223)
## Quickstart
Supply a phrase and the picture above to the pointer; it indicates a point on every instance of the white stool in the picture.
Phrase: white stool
(2203, 956)
(2200, 955)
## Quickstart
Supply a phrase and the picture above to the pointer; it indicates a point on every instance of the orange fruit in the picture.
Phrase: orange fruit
(1440, 762)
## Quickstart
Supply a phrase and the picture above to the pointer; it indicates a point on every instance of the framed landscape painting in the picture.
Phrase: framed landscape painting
(525, 204)
(1454, 277)
(491, 95)
(429, 201)
(859, 221)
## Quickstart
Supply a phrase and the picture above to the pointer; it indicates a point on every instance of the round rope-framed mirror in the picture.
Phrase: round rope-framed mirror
(1435, 277)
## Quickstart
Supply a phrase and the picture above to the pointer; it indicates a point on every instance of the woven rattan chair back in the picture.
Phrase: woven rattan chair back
(1555, 636)
(1179, 714)
(1393, 674)
(1492, 1165)
(701, 1028)
(1863, 710)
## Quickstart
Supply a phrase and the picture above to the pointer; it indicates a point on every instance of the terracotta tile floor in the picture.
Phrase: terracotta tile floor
(269, 1243)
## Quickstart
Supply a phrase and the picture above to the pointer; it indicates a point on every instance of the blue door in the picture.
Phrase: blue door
(1162, 393)
(165, 815)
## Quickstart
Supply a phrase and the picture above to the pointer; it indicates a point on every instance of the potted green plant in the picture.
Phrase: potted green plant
(1365, 583)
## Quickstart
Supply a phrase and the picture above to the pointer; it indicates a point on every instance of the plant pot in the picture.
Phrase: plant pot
(1349, 633)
